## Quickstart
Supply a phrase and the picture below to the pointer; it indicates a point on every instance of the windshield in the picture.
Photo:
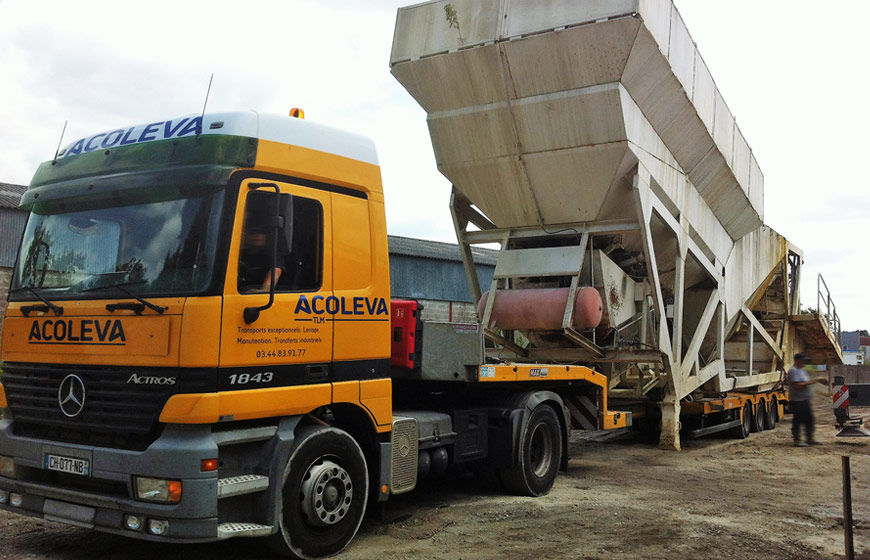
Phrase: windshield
(151, 248)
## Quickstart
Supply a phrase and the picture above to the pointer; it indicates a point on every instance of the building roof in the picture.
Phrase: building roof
(10, 195)
(437, 250)
(851, 341)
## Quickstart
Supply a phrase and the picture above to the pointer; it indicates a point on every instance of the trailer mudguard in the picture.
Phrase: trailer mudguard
(505, 439)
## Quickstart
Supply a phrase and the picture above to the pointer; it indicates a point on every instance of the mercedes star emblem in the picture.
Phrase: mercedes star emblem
(71, 395)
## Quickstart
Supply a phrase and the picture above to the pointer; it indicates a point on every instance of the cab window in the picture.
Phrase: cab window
(299, 268)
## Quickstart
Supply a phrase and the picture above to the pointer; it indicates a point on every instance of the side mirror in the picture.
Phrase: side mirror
(281, 228)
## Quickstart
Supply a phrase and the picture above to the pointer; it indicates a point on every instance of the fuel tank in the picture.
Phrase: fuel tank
(543, 309)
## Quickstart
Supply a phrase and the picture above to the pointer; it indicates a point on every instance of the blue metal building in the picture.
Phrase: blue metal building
(432, 270)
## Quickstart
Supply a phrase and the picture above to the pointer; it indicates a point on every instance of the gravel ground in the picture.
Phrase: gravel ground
(759, 498)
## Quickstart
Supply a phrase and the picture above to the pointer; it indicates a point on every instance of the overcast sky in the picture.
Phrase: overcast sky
(794, 76)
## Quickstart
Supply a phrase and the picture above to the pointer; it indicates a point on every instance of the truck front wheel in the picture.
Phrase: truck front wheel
(539, 454)
(324, 494)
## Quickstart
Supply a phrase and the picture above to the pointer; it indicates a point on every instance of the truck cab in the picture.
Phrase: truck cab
(182, 284)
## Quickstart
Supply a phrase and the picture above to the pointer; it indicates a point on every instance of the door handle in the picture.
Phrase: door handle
(317, 372)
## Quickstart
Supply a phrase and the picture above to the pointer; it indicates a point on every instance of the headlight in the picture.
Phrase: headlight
(157, 490)
(158, 526)
(133, 522)
(7, 467)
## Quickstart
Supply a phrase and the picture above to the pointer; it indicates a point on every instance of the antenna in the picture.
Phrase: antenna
(207, 92)
(60, 141)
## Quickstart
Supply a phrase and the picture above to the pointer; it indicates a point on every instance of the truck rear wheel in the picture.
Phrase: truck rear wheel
(772, 414)
(758, 419)
(540, 453)
(324, 494)
(742, 431)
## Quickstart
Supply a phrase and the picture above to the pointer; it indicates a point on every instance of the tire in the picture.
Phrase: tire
(776, 413)
(540, 454)
(758, 419)
(325, 462)
(771, 418)
(742, 431)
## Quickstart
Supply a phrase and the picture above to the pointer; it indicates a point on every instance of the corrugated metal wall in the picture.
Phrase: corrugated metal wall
(11, 227)
(414, 277)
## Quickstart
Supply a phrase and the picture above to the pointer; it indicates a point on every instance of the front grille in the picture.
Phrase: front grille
(405, 440)
(116, 413)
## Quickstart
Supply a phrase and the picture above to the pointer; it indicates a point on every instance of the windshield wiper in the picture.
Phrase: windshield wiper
(26, 310)
(143, 303)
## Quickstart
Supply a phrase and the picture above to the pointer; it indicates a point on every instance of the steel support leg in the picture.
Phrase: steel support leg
(670, 437)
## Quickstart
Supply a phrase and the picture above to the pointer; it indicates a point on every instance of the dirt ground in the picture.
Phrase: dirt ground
(759, 498)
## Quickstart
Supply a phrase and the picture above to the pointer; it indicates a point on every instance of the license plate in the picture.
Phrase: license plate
(70, 465)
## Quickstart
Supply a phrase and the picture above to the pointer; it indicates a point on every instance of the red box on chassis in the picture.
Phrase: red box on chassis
(407, 334)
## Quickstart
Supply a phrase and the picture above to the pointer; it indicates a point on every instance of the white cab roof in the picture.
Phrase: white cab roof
(249, 124)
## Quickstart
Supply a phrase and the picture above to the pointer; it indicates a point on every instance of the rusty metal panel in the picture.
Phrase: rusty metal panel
(604, 51)
(657, 18)
(753, 259)
(443, 25)
(756, 182)
(723, 128)
(704, 92)
(681, 53)
(742, 156)
(532, 16)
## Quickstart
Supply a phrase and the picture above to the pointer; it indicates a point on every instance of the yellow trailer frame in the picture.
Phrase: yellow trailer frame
(539, 373)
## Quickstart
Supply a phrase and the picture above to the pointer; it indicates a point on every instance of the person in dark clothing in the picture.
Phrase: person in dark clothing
(255, 261)
(800, 401)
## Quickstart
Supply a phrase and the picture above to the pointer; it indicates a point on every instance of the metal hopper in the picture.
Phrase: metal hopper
(589, 140)
(538, 108)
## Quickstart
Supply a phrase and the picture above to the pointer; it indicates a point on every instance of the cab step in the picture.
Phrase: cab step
(242, 484)
(230, 530)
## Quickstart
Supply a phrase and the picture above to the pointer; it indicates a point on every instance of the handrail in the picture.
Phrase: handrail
(830, 310)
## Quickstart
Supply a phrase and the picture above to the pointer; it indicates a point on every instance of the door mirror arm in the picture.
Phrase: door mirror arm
(276, 224)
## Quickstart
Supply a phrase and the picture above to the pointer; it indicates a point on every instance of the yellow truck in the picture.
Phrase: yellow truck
(200, 344)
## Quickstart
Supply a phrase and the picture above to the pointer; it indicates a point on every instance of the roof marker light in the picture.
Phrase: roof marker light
(297, 113)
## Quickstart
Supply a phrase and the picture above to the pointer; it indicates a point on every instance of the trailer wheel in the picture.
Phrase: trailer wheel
(758, 419)
(770, 417)
(773, 411)
(324, 494)
(540, 453)
(742, 431)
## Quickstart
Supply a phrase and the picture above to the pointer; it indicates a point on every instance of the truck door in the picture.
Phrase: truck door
(362, 326)
(290, 343)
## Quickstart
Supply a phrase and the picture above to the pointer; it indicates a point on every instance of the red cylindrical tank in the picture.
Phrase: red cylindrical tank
(542, 309)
